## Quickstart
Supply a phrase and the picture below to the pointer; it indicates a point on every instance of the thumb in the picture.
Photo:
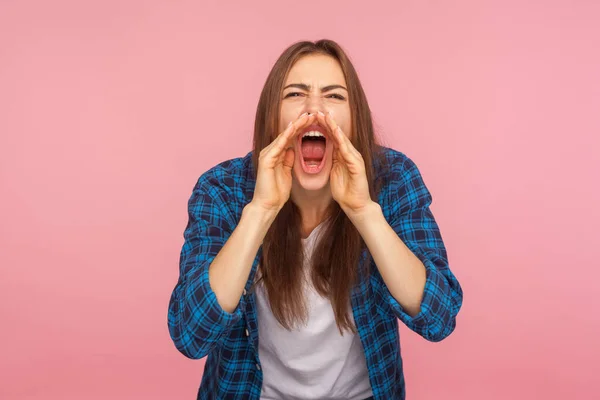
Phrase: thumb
(288, 161)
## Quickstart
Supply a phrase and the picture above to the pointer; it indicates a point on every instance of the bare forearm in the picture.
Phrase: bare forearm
(403, 273)
(229, 271)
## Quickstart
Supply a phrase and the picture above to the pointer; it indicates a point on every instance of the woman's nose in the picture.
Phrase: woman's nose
(314, 104)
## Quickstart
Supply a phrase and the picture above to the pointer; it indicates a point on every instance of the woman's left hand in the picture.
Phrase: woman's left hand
(348, 179)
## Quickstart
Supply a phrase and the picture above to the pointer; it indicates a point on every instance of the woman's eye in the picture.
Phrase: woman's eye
(297, 94)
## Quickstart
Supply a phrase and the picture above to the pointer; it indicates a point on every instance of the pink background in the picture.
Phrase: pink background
(110, 111)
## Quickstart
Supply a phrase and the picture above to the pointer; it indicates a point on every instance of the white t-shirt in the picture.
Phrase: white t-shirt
(313, 361)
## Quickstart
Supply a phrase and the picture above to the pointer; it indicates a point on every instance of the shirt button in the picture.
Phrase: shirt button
(258, 367)
(244, 292)
(247, 333)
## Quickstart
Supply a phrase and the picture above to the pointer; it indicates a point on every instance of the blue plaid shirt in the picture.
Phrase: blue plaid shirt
(200, 327)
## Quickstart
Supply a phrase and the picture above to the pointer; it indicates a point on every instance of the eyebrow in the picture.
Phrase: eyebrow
(306, 87)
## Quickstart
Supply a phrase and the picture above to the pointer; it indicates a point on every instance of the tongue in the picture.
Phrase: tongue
(313, 150)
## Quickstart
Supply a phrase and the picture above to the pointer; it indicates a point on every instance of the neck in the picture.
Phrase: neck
(313, 204)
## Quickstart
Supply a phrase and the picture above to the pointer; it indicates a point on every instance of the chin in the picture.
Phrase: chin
(311, 182)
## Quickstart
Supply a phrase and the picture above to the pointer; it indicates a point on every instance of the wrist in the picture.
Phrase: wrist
(366, 213)
(259, 214)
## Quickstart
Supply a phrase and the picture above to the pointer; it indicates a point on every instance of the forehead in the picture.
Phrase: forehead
(319, 69)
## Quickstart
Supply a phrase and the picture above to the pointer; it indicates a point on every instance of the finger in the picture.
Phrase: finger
(335, 155)
(288, 160)
(352, 148)
(342, 139)
(281, 142)
(268, 148)
(342, 142)
(347, 150)
(303, 121)
(287, 133)
(327, 121)
(334, 127)
(296, 126)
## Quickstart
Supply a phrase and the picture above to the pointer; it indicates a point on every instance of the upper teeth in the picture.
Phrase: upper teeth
(313, 133)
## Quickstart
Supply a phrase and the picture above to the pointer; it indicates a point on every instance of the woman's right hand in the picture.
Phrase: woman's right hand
(275, 162)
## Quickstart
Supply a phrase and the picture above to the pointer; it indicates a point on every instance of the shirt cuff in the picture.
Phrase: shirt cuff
(208, 314)
(436, 288)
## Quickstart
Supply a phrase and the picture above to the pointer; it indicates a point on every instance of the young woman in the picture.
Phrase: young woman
(300, 256)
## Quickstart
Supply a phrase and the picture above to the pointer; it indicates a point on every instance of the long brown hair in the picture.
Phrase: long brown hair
(339, 246)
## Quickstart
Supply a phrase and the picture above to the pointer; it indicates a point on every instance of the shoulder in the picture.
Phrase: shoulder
(227, 175)
(400, 180)
(225, 185)
(394, 167)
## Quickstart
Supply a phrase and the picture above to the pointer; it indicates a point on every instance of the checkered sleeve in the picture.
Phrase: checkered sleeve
(412, 219)
(196, 321)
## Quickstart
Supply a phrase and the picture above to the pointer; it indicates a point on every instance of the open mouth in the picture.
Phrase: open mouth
(313, 143)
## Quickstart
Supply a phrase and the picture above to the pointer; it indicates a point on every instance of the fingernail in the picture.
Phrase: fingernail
(329, 113)
(302, 115)
(321, 114)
